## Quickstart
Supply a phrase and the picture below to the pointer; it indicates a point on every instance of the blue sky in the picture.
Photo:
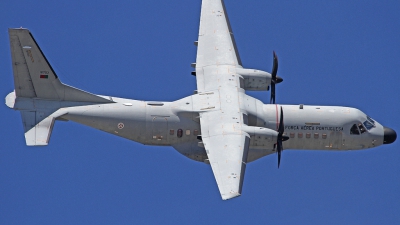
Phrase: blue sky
(343, 53)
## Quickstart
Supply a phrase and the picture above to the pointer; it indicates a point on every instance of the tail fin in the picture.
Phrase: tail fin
(33, 75)
(36, 82)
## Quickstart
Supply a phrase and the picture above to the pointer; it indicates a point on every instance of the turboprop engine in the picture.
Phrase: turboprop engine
(260, 132)
(258, 80)
(254, 80)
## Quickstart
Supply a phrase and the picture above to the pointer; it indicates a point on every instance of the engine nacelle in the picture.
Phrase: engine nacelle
(261, 132)
(261, 137)
(254, 80)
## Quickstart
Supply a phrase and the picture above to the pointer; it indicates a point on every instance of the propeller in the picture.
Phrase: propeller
(281, 138)
(274, 78)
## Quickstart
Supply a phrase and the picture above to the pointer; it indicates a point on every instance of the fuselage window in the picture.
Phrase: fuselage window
(316, 135)
(291, 135)
(179, 133)
(354, 130)
(171, 132)
(362, 128)
(187, 132)
(324, 136)
(195, 132)
(308, 135)
(300, 135)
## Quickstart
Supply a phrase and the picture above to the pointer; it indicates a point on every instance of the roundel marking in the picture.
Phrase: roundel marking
(120, 125)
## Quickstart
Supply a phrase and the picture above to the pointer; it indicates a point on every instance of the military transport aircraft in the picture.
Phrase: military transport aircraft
(219, 125)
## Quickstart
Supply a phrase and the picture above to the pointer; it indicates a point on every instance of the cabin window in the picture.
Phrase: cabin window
(171, 132)
(179, 133)
(300, 135)
(354, 130)
(187, 132)
(195, 132)
(324, 136)
(316, 135)
(291, 135)
(308, 135)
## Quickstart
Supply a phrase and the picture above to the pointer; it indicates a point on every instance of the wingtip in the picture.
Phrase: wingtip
(230, 196)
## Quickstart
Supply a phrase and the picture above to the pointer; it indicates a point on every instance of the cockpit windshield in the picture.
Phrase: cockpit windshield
(368, 125)
(370, 120)
(357, 130)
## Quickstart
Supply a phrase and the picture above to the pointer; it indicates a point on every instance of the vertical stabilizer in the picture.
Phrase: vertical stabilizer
(33, 75)
(39, 94)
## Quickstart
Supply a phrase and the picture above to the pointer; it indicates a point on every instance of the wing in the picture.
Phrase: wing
(221, 118)
(227, 147)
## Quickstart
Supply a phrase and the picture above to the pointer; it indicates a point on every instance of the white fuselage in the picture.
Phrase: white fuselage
(177, 124)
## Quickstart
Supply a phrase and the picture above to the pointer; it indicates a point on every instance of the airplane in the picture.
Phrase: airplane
(219, 124)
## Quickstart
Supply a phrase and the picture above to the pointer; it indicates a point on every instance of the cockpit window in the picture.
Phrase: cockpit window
(362, 128)
(370, 120)
(368, 125)
(354, 130)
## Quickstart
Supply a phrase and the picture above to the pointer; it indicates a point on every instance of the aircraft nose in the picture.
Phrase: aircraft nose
(389, 135)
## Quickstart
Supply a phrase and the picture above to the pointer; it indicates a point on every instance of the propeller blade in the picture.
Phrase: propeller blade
(281, 126)
(274, 79)
(281, 138)
(272, 99)
(275, 66)
(279, 146)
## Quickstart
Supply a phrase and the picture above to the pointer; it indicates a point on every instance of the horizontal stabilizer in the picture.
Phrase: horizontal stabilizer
(37, 127)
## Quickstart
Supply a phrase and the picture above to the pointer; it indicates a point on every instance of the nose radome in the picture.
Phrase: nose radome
(389, 135)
